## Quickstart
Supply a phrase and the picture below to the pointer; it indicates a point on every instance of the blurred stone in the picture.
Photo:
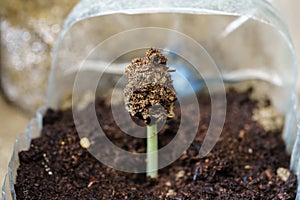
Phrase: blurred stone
(283, 173)
(269, 118)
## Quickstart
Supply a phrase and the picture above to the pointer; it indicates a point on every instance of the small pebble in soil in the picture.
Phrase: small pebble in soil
(85, 142)
(283, 173)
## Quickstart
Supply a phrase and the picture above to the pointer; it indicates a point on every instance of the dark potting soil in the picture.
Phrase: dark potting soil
(242, 165)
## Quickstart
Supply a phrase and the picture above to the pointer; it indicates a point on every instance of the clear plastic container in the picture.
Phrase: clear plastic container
(238, 41)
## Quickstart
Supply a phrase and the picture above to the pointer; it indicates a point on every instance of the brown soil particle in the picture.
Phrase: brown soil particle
(244, 163)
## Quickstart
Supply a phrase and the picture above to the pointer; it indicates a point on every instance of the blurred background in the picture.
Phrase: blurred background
(28, 32)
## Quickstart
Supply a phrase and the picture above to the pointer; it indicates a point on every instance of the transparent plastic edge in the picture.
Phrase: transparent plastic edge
(289, 132)
(97, 8)
(298, 191)
(295, 157)
(5, 189)
(22, 143)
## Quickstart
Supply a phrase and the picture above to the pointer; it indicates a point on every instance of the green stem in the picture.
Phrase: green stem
(152, 154)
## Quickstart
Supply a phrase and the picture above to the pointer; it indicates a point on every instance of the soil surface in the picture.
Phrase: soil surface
(246, 163)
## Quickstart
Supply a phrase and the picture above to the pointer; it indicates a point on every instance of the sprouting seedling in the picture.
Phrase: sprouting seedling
(150, 96)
